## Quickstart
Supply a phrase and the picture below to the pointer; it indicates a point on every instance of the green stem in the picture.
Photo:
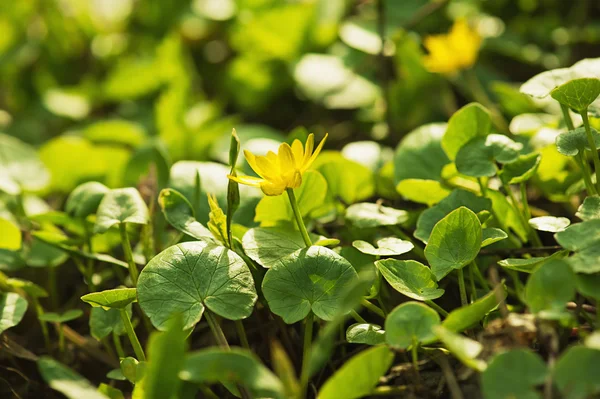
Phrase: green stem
(462, 288)
(357, 317)
(484, 283)
(133, 271)
(373, 308)
(308, 334)
(90, 261)
(592, 144)
(482, 186)
(585, 171)
(415, 359)
(436, 307)
(567, 117)
(118, 347)
(298, 215)
(61, 339)
(135, 342)
(524, 201)
(216, 329)
(472, 281)
(532, 232)
(39, 310)
(480, 95)
(241, 331)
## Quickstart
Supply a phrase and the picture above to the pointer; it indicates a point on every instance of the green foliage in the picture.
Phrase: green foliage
(462, 318)
(117, 299)
(410, 323)
(12, 310)
(466, 124)
(66, 381)
(573, 372)
(515, 373)
(410, 278)
(549, 288)
(121, 206)
(365, 333)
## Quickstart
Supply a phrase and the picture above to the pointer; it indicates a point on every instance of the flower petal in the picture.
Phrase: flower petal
(271, 188)
(269, 169)
(287, 164)
(298, 152)
(308, 148)
(315, 154)
(251, 159)
(247, 180)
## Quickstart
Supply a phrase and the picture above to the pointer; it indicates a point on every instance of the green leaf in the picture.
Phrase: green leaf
(428, 219)
(359, 375)
(217, 221)
(549, 288)
(110, 392)
(166, 356)
(367, 214)
(410, 278)
(420, 155)
(179, 213)
(310, 196)
(579, 236)
(20, 167)
(478, 157)
(491, 235)
(10, 235)
(116, 131)
(522, 169)
(543, 83)
(552, 224)
(310, 279)
(12, 310)
(85, 199)
(117, 298)
(185, 278)
(284, 368)
(573, 141)
(514, 374)
(64, 380)
(464, 317)
(61, 318)
(590, 209)
(28, 287)
(530, 264)
(105, 321)
(577, 94)
(506, 215)
(454, 242)
(365, 333)
(575, 372)
(268, 245)
(588, 285)
(235, 366)
(422, 191)
(471, 121)
(388, 246)
(410, 322)
(122, 205)
(347, 180)
(465, 349)
(133, 369)
(151, 159)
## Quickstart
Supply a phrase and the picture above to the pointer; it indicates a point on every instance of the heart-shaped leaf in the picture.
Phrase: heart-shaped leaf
(64, 380)
(179, 213)
(85, 199)
(552, 224)
(513, 374)
(359, 375)
(185, 278)
(366, 214)
(454, 242)
(478, 157)
(465, 349)
(122, 205)
(20, 167)
(420, 155)
(491, 235)
(12, 309)
(575, 372)
(574, 141)
(410, 278)
(388, 246)
(409, 323)
(365, 333)
(235, 366)
(117, 298)
(522, 169)
(577, 94)
(549, 288)
(268, 245)
(61, 317)
(590, 209)
(464, 317)
(310, 279)
(471, 121)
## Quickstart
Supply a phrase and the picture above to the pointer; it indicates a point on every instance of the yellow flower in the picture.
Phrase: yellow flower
(454, 51)
(283, 170)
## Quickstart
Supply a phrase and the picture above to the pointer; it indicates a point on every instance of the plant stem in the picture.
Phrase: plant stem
(524, 201)
(308, 333)
(532, 232)
(484, 283)
(462, 288)
(436, 307)
(61, 339)
(567, 117)
(373, 308)
(585, 171)
(118, 346)
(415, 359)
(482, 186)
(357, 317)
(133, 271)
(298, 215)
(135, 342)
(592, 144)
(241, 331)
(216, 329)
(39, 310)
(480, 95)
(472, 281)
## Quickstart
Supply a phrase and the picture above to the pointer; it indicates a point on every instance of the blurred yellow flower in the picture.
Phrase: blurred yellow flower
(452, 52)
(283, 170)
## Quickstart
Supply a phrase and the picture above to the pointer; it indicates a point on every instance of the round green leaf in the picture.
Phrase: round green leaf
(410, 278)
(590, 209)
(549, 288)
(179, 213)
(513, 374)
(10, 235)
(576, 372)
(85, 199)
(471, 121)
(522, 169)
(365, 333)
(410, 322)
(577, 94)
(491, 235)
(61, 317)
(185, 278)
(235, 366)
(478, 157)
(20, 167)
(543, 83)
(12, 309)
(454, 242)
(573, 141)
(552, 224)
(420, 155)
(122, 205)
(268, 245)
(309, 279)
(388, 246)
(117, 298)
(367, 214)
(427, 192)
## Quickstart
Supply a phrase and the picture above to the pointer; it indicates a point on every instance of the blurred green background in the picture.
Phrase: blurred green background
(97, 83)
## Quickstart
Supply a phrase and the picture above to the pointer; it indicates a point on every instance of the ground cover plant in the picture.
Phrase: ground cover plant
(325, 199)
